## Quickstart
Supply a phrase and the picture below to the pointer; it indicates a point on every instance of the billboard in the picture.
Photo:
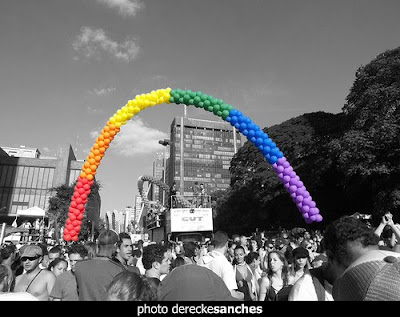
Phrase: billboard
(191, 219)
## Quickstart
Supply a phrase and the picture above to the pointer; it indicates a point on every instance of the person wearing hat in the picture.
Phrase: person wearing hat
(375, 276)
(36, 281)
(300, 264)
(94, 275)
(192, 282)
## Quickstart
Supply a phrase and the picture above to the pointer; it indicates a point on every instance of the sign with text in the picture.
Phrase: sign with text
(191, 219)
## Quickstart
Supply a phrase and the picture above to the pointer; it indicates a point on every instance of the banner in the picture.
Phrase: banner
(191, 219)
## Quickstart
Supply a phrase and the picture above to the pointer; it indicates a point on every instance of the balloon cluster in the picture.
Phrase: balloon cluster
(295, 187)
(88, 171)
(254, 134)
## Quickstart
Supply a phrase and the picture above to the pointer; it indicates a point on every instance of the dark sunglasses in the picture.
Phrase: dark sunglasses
(30, 258)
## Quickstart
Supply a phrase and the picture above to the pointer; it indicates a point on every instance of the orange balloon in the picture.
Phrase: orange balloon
(101, 143)
(106, 129)
(86, 164)
(82, 175)
(102, 150)
(106, 136)
(112, 133)
(92, 161)
(88, 171)
(96, 152)
(100, 137)
(89, 177)
(93, 167)
(97, 158)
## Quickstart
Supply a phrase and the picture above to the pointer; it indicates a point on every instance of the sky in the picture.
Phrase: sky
(67, 66)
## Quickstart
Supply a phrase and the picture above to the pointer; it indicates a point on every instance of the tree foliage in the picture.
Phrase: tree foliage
(349, 161)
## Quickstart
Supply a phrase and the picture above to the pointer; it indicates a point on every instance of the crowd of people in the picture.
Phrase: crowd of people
(349, 260)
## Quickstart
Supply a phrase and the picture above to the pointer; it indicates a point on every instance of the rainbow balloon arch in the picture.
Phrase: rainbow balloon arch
(291, 181)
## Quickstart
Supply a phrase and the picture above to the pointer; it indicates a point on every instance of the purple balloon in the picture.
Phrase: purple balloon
(288, 170)
(293, 182)
(318, 218)
(292, 189)
(300, 183)
(305, 208)
(299, 205)
(313, 211)
(280, 169)
(313, 218)
(280, 175)
(306, 194)
(287, 185)
(286, 164)
(286, 179)
(299, 199)
(306, 216)
(292, 174)
(308, 221)
(300, 191)
(293, 195)
(281, 160)
(274, 165)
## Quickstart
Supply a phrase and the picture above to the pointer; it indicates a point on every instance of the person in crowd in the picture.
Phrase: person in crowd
(387, 225)
(54, 253)
(65, 287)
(196, 194)
(58, 266)
(91, 248)
(274, 285)
(124, 252)
(374, 276)
(6, 294)
(172, 201)
(178, 261)
(25, 235)
(36, 281)
(130, 286)
(156, 260)
(253, 260)
(44, 263)
(245, 279)
(254, 245)
(311, 247)
(300, 265)
(8, 256)
(345, 240)
(94, 275)
(217, 262)
(139, 262)
(202, 191)
(231, 252)
(244, 242)
(193, 283)
(191, 252)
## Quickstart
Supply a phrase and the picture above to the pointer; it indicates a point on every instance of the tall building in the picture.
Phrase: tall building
(158, 173)
(26, 178)
(201, 150)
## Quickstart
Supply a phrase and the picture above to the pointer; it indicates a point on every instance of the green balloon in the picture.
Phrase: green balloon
(225, 113)
(207, 103)
(210, 108)
(201, 104)
(196, 100)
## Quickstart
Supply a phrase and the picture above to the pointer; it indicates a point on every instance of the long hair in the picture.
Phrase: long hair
(130, 286)
(285, 267)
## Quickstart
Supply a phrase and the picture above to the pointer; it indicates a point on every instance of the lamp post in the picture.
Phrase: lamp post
(164, 143)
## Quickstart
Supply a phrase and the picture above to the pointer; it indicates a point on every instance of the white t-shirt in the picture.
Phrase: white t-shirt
(220, 265)
(304, 290)
(17, 296)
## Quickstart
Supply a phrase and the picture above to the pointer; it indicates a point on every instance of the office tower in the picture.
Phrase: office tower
(201, 150)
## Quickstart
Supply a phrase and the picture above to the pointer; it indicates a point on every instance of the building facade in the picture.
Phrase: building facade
(201, 150)
(26, 178)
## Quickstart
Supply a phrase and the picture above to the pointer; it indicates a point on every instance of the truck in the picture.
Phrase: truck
(183, 221)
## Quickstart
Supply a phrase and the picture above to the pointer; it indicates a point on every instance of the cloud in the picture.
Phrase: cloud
(92, 43)
(125, 7)
(102, 91)
(135, 139)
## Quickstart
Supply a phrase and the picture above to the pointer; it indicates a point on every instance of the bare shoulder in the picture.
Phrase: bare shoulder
(48, 275)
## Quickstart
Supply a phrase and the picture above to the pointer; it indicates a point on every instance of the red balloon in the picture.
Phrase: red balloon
(71, 216)
(68, 221)
(72, 232)
(77, 229)
(83, 197)
(67, 237)
(81, 191)
(73, 204)
(80, 207)
(71, 209)
(78, 200)
(84, 181)
(76, 223)
(79, 184)
(74, 238)
(76, 194)
(70, 226)
(80, 216)
(76, 212)
(86, 187)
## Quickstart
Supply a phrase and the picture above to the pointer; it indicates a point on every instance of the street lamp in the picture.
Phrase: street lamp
(164, 143)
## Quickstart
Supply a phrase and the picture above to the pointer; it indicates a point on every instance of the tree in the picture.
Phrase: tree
(59, 204)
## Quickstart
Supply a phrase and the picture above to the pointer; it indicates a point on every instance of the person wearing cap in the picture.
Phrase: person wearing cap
(300, 264)
(374, 276)
(193, 282)
(217, 262)
(94, 275)
(36, 281)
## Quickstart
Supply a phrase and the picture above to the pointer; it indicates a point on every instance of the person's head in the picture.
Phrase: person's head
(77, 252)
(107, 242)
(239, 254)
(31, 256)
(253, 259)
(301, 259)
(157, 258)
(243, 241)
(236, 238)
(277, 264)
(8, 253)
(91, 248)
(54, 253)
(178, 261)
(374, 276)
(4, 287)
(191, 249)
(346, 239)
(58, 266)
(124, 246)
(220, 240)
(129, 286)
(253, 245)
(269, 245)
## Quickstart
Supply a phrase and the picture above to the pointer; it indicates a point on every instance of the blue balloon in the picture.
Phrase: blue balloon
(251, 131)
(237, 125)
